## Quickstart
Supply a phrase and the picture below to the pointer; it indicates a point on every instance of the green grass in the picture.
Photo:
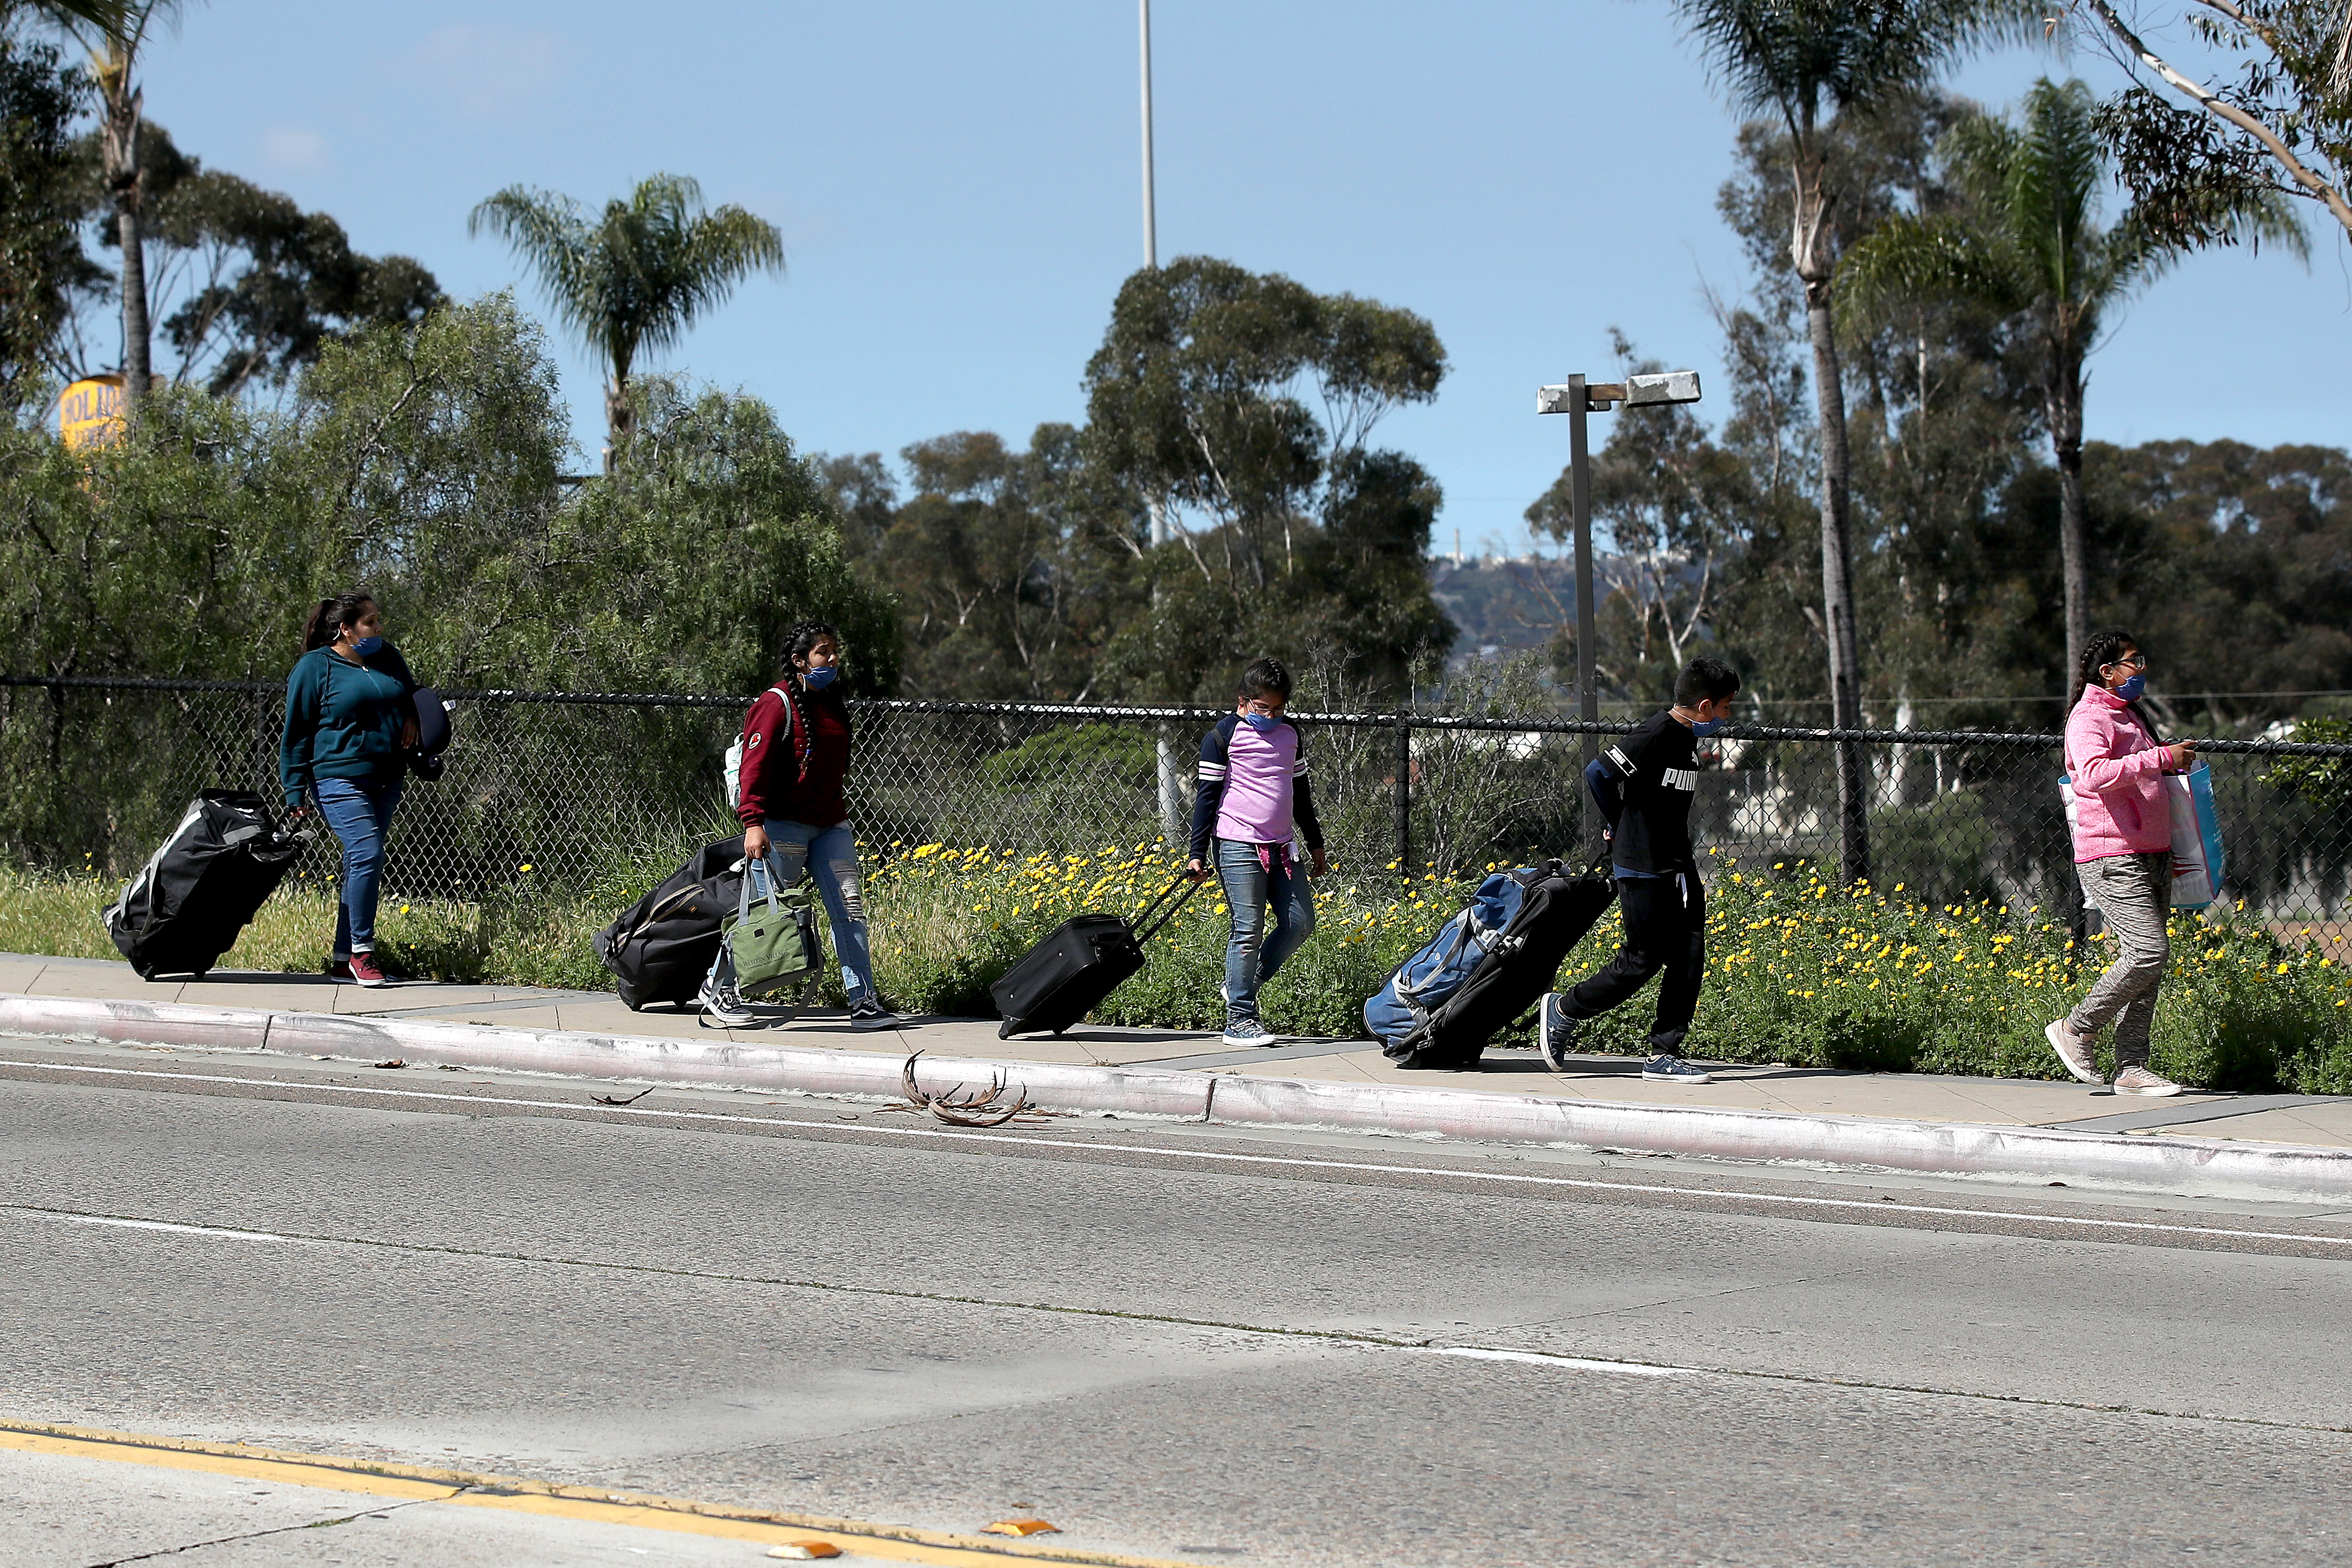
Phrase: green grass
(1800, 971)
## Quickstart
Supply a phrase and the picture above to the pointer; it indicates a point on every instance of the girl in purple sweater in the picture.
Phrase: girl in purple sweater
(2123, 848)
(1253, 786)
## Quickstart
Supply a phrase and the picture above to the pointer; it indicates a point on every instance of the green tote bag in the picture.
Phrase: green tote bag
(772, 940)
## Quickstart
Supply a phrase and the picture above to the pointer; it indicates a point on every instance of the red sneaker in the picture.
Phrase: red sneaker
(336, 969)
(367, 971)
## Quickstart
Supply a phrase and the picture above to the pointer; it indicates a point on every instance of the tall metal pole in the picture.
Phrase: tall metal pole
(1150, 227)
(1172, 789)
(1588, 689)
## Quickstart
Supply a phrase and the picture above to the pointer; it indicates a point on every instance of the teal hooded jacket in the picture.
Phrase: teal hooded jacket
(343, 720)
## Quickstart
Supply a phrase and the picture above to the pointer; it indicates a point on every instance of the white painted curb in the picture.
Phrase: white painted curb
(2188, 1166)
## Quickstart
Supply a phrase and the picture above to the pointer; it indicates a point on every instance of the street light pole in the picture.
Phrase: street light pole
(1171, 793)
(1576, 398)
(1150, 224)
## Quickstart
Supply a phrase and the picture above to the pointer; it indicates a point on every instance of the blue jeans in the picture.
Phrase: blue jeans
(830, 856)
(359, 814)
(1251, 891)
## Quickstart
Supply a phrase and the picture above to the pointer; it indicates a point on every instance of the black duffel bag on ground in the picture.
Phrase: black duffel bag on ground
(187, 904)
(660, 950)
(1556, 909)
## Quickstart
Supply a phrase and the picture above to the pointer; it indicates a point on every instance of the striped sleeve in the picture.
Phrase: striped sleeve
(1210, 792)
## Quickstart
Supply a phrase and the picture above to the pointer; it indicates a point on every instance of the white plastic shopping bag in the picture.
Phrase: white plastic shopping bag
(2198, 862)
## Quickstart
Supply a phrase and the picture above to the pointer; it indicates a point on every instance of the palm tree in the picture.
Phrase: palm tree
(637, 278)
(2026, 245)
(1806, 62)
(113, 31)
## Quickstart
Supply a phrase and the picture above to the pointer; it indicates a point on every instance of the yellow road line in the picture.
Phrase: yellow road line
(546, 1499)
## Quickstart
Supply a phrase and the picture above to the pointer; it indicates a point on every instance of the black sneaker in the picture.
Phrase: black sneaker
(1666, 1069)
(1555, 1032)
(865, 1013)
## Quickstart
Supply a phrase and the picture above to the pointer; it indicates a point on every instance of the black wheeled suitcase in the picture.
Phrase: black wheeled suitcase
(1556, 909)
(660, 950)
(1081, 961)
(189, 902)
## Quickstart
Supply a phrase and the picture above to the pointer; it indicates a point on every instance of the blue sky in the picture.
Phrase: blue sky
(959, 193)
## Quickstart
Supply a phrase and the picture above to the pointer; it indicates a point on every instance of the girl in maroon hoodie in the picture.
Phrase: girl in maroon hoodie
(790, 798)
(2123, 848)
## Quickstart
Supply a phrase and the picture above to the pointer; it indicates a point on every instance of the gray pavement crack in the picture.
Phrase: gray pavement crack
(263, 1535)
(1883, 1266)
(1338, 1338)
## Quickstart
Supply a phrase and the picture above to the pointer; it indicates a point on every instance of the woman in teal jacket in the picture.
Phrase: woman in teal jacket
(350, 719)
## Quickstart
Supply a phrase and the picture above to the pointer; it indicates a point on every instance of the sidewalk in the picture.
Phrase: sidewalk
(2304, 1121)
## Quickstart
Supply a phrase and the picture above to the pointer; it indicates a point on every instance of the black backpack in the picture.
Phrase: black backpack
(660, 950)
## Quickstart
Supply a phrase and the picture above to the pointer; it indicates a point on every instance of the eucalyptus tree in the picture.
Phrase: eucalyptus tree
(1806, 63)
(2282, 125)
(1247, 400)
(2026, 245)
(635, 277)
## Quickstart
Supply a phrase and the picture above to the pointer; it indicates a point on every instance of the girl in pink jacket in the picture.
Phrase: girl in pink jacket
(2123, 848)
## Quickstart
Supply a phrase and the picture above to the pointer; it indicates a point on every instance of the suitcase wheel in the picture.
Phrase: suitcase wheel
(145, 971)
(1004, 1030)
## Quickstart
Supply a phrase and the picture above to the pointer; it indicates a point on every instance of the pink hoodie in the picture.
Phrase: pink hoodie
(2117, 767)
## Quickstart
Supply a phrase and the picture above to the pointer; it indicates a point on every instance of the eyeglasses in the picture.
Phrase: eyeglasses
(2136, 662)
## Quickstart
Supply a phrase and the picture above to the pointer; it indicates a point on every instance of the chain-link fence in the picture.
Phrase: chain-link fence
(582, 789)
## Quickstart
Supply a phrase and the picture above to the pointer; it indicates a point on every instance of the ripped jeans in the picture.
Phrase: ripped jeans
(830, 855)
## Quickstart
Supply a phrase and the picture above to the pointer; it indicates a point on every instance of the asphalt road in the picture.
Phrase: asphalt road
(1176, 1342)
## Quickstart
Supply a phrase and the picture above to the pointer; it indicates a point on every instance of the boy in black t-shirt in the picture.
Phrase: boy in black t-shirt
(1643, 783)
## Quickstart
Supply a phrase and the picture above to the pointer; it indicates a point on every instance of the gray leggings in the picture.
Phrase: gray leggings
(2134, 893)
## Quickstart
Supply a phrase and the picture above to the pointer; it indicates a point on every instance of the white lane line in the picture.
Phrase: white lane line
(1465, 1351)
(179, 1229)
(1788, 1200)
(1537, 1358)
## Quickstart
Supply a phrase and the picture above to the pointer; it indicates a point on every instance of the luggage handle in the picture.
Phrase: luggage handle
(776, 879)
(1146, 927)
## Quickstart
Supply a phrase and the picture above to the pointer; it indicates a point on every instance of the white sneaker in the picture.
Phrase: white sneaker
(1249, 1031)
(2073, 1051)
(2140, 1081)
(725, 1009)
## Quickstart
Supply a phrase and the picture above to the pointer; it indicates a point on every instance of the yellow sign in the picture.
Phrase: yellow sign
(89, 411)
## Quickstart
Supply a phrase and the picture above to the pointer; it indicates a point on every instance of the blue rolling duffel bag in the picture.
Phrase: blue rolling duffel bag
(1489, 965)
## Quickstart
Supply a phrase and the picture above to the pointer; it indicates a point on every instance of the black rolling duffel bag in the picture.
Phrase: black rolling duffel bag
(662, 948)
(187, 903)
(1556, 910)
(1081, 961)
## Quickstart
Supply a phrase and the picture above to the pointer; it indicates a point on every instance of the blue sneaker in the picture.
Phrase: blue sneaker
(1555, 1032)
(1674, 1069)
(1249, 1031)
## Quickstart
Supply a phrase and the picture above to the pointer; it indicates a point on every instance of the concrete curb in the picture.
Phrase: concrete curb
(2112, 1162)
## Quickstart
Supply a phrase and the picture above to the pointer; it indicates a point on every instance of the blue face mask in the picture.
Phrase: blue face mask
(367, 647)
(1702, 727)
(1261, 722)
(820, 677)
(2130, 690)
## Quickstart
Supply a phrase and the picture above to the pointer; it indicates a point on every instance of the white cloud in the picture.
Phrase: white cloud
(294, 149)
(491, 71)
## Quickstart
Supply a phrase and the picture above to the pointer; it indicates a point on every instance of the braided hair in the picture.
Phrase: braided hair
(2103, 649)
(802, 637)
(331, 615)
